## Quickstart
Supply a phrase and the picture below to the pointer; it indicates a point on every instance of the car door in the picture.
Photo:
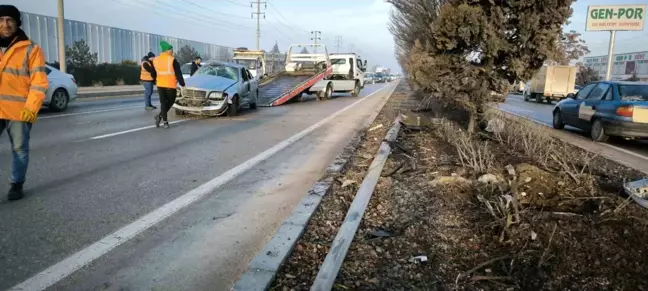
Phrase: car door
(569, 107)
(245, 90)
(254, 87)
(587, 109)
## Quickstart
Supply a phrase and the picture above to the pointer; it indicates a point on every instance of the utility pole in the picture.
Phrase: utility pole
(338, 42)
(258, 14)
(316, 36)
(61, 36)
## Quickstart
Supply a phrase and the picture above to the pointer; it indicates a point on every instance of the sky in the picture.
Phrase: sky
(362, 24)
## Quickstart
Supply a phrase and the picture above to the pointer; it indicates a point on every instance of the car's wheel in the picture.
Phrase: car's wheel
(538, 98)
(60, 100)
(356, 90)
(558, 120)
(329, 91)
(232, 109)
(598, 132)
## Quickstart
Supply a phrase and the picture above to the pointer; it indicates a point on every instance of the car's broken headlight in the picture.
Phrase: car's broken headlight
(216, 95)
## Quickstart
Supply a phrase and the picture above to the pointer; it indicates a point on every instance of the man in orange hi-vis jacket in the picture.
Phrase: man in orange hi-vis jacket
(23, 85)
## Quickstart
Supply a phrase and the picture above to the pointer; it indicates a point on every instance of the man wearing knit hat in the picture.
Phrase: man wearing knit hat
(169, 76)
(147, 76)
(23, 85)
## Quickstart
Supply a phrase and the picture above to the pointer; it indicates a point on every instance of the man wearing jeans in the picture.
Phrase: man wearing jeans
(147, 76)
(23, 85)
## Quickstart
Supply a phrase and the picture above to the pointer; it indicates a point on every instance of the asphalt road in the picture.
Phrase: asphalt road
(101, 166)
(542, 113)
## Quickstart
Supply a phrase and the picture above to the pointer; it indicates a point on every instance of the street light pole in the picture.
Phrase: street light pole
(608, 73)
(61, 37)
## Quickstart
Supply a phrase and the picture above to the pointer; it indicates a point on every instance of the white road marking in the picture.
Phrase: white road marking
(71, 264)
(604, 144)
(134, 130)
(87, 112)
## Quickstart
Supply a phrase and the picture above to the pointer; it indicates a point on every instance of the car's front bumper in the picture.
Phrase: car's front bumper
(212, 110)
(626, 129)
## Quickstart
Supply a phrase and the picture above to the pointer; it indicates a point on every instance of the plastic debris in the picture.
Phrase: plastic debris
(418, 259)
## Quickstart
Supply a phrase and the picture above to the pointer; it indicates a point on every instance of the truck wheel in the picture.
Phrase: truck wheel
(356, 90)
(232, 109)
(538, 98)
(329, 91)
(557, 120)
(548, 100)
(598, 132)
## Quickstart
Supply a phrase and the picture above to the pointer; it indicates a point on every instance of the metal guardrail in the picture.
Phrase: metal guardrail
(328, 271)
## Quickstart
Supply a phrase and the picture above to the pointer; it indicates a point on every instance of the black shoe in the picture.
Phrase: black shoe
(166, 124)
(157, 120)
(15, 192)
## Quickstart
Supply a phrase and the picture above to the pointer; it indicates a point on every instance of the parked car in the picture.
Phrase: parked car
(218, 88)
(606, 108)
(62, 89)
(380, 78)
(369, 78)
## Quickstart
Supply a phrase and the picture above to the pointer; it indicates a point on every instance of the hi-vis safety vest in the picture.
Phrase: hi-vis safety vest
(145, 75)
(23, 79)
(165, 74)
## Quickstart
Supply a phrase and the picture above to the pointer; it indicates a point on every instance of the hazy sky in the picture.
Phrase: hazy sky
(361, 23)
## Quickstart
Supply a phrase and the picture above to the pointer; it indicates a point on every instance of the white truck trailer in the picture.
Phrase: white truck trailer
(551, 83)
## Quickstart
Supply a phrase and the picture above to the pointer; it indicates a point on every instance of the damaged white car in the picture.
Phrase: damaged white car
(218, 88)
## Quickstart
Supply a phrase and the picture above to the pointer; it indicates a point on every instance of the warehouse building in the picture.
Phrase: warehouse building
(625, 65)
(113, 45)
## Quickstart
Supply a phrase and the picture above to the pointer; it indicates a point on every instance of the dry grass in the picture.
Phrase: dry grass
(472, 153)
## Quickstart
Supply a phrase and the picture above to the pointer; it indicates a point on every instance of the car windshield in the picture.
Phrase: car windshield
(368, 75)
(338, 61)
(250, 64)
(219, 70)
(634, 92)
(380, 75)
(186, 69)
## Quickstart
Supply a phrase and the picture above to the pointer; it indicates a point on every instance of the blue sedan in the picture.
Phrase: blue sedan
(606, 108)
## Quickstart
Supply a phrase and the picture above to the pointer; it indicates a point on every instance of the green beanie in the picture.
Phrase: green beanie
(165, 46)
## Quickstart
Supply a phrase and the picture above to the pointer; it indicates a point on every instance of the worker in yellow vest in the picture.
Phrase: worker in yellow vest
(169, 76)
(147, 76)
(23, 85)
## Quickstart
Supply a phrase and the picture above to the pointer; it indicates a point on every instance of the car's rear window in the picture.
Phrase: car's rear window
(634, 92)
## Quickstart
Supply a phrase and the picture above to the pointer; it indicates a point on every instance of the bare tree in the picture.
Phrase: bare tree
(586, 74)
(572, 47)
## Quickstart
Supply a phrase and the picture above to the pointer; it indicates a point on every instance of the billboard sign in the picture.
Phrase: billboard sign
(616, 17)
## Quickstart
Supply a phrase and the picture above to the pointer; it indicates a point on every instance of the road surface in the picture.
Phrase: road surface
(635, 152)
(100, 168)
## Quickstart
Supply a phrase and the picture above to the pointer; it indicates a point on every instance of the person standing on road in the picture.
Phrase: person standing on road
(147, 76)
(169, 76)
(23, 85)
(195, 65)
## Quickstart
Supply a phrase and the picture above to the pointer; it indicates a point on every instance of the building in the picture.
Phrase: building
(112, 45)
(624, 65)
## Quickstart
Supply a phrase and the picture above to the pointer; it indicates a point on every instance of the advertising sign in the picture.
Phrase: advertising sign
(616, 17)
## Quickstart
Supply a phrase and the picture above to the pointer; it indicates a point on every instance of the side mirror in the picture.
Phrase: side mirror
(365, 63)
(571, 96)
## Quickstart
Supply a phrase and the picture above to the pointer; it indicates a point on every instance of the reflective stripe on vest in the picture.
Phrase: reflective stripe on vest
(144, 74)
(24, 71)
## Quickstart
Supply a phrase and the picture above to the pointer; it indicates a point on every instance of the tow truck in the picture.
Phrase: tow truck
(347, 76)
(302, 70)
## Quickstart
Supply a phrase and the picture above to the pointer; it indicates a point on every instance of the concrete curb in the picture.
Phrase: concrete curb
(264, 267)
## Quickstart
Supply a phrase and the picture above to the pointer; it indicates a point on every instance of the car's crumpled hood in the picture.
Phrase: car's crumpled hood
(209, 83)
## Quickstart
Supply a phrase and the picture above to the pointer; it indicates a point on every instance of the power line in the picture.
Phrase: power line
(338, 42)
(282, 16)
(279, 31)
(191, 15)
(225, 14)
(234, 2)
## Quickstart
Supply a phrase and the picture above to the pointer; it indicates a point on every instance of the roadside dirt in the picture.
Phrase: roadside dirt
(431, 225)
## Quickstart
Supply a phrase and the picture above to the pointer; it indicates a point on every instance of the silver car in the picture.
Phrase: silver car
(218, 88)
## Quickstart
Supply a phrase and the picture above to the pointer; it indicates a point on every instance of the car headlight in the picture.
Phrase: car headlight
(216, 95)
